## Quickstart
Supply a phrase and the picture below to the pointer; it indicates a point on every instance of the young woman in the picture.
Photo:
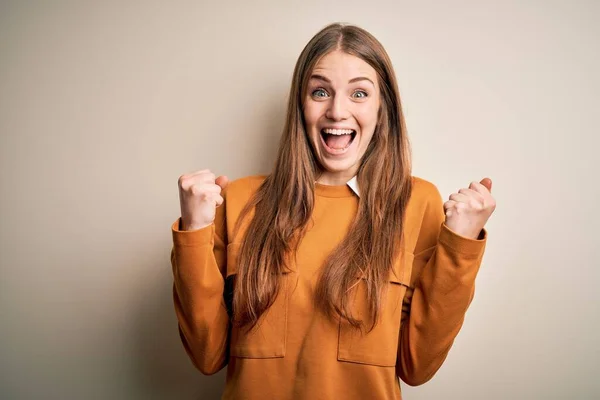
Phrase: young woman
(340, 271)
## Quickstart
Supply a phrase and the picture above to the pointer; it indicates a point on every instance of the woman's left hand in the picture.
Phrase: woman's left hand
(468, 210)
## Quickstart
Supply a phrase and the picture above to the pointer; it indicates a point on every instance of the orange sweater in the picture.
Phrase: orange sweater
(298, 353)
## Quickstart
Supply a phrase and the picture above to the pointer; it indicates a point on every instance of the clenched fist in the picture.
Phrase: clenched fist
(199, 197)
(468, 210)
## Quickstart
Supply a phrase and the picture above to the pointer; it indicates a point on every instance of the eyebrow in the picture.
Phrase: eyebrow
(357, 79)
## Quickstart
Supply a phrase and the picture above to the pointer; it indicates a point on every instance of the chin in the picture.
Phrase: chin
(338, 166)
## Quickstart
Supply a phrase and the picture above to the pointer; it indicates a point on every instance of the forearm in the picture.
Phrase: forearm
(198, 299)
(438, 303)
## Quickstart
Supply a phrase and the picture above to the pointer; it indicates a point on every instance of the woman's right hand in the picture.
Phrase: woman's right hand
(199, 197)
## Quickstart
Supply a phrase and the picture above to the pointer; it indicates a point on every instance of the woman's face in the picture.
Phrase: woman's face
(340, 111)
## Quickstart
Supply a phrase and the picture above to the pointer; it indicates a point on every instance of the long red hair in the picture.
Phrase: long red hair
(284, 202)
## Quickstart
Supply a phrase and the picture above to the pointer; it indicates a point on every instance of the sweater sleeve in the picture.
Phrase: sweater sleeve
(444, 269)
(199, 264)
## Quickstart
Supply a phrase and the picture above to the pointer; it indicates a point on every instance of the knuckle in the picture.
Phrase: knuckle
(197, 191)
(200, 172)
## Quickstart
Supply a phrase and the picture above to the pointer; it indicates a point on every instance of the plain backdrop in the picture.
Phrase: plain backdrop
(103, 105)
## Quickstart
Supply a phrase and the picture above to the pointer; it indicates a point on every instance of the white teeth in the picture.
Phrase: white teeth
(338, 131)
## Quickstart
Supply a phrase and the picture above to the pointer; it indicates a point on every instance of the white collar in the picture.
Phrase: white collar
(353, 183)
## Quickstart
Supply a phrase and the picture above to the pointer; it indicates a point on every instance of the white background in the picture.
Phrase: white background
(104, 104)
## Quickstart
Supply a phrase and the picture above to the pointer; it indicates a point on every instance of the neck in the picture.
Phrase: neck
(335, 178)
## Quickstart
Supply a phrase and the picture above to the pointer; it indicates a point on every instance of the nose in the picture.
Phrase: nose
(338, 109)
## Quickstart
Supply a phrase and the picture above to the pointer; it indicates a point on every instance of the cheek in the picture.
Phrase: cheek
(368, 117)
(312, 114)
(308, 116)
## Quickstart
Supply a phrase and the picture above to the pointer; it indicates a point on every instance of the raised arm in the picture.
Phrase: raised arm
(198, 258)
(443, 285)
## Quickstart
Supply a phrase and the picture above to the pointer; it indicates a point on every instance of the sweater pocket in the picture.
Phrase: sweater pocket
(380, 345)
(268, 338)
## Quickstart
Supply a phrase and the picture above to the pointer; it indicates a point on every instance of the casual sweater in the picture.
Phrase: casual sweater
(296, 351)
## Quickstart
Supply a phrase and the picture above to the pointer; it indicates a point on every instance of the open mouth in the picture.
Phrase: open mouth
(337, 140)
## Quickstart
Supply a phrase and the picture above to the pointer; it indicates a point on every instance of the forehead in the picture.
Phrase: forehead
(340, 66)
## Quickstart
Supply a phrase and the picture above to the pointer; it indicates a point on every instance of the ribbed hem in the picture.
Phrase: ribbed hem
(198, 237)
(333, 190)
(462, 244)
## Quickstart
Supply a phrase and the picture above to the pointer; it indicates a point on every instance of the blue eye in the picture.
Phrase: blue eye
(364, 94)
(314, 93)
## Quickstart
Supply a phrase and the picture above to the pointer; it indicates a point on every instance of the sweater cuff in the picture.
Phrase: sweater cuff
(198, 237)
(462, 244)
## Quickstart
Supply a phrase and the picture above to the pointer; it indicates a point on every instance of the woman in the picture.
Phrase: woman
(339, 272)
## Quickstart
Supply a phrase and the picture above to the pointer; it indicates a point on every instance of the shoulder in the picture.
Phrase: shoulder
(424, 191)
(236, 195)
(425, 214)
(242, 188)
(247, 182)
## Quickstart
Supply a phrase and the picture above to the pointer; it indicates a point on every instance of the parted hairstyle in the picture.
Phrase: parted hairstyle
(283, 204)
